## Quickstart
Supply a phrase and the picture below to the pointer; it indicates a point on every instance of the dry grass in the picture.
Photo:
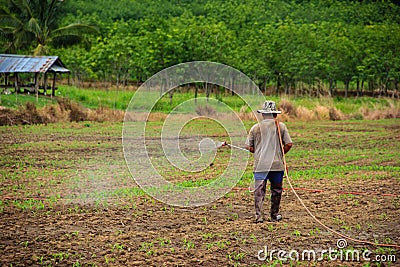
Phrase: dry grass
(287, 107)
(304, 114)
(321, 113)
(102, 114)
(66, 110)
(246, 116)
(335, 114)
(373, 113)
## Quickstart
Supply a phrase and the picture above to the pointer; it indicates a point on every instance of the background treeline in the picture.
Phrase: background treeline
(296, 47)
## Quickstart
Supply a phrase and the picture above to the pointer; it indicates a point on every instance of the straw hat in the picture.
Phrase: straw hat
(269, 108)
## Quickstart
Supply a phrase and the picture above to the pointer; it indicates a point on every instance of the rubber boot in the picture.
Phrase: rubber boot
(259, 195)
(276, 195)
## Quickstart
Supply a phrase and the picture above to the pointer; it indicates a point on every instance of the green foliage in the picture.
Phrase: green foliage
(296, 47)
(34, 25)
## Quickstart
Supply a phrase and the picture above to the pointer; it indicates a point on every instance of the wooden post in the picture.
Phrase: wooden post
(53, 88)
(16, 82)
(37, 86)
(45, 83)
(6, 80)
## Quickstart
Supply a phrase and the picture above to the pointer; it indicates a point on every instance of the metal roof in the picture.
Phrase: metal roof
(20, 63)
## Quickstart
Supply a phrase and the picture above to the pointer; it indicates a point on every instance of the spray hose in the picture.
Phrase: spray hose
(311, 214)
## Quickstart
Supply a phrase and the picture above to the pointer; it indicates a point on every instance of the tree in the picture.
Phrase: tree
(33, 24)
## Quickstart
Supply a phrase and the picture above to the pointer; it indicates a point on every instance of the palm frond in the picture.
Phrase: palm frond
(75, 29)
(22, 38)
(67, 40)
(34, 27)
(7, 18)
(9, 21)
(24, 5)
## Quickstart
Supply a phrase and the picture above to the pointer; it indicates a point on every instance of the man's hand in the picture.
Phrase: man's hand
(250, 148)
(287, 147)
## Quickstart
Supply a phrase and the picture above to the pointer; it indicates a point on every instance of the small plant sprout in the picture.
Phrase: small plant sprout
(117, 246)
(383, 216)
(164, 241)
(296, 233)
(252, 236)
(237, 256)
(207, 235)
(108, 260)
(187, 244)
(147, 247)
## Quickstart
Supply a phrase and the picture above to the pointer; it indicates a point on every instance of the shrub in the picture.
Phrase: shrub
(287, 107)
(304, 114)
(335, 114)
(205, 110)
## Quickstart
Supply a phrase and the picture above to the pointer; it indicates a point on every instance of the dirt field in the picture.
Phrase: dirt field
(67, 199)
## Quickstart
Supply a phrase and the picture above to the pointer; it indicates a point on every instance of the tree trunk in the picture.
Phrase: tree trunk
(53, 88)
(362, 87)
(346, 87)
(207, 91)
(37, 86)
(358, 88)
(171, 94)
(196, 90)
(265, 86)
(386, 86)
(233, 86)
(278, 84)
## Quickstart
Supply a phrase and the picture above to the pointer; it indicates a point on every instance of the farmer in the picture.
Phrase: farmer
(263, 141)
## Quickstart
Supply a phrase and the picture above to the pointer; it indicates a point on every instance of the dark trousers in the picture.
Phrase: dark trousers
(276, 179)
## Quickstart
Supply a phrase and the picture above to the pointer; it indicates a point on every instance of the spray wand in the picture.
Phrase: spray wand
(233, 146)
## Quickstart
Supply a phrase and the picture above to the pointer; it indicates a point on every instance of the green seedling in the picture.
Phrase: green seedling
(187, 244)
(147, 247)
(296, 233)
(207, 235)
(237, 256)
(383, 216)
(108, 260)
(60, 256)
(252, 236)
(117, 246)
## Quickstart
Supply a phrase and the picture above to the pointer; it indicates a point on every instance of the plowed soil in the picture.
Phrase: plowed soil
(67, 199)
